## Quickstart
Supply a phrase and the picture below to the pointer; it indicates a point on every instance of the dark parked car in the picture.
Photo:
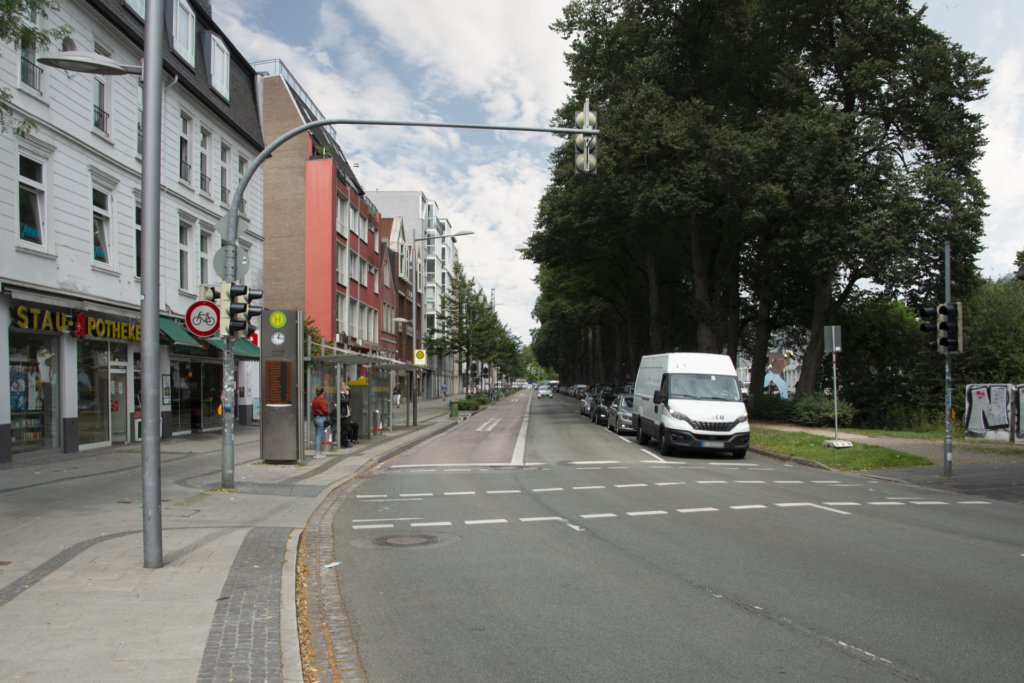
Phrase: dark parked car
(599, 412)
(586, 405)
(620, 415)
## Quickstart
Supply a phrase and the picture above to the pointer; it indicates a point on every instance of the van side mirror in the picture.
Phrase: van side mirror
(657, 396)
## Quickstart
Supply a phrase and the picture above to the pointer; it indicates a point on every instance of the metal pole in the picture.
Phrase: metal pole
(835, 389)
(415, 315)
(152, 107)
(947, 461)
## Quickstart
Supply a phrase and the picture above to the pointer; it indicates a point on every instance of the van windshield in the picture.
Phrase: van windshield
(704, 387)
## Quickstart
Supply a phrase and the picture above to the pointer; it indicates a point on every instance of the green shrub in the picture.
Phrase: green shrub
(772, 409)
(472, 403)
(818, 410)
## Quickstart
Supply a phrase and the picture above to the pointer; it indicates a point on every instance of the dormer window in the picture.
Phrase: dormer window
(220, 67)
(185, 31)
(137, 6)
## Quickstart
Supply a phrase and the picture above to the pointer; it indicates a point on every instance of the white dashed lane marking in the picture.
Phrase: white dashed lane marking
(586, 488)
(598, 515)
(431, 524)
(508, 491)
(413, 495)
(542, 519)
(373, 526)
(460, 493)
(486, 521)
(746, 507)
(628, 486)
(543, 490)
(643, 513)
(685, 510)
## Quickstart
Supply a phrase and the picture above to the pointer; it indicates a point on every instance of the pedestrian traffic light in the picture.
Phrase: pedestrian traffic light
(586, 144)
(953, 326)
(930, 316)
(242, 311)
(225, 309)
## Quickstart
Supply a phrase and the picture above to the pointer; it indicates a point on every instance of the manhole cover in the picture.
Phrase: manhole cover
(405, 540)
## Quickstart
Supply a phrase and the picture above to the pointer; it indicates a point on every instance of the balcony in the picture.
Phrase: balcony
(185, 171)
(31, 75)
(241, 207)
(100, 119)
(225, 196)
(204, 182)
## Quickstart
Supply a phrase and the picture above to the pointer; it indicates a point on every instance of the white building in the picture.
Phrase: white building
(70, 196)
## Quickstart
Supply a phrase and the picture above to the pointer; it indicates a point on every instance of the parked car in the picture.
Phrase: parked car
(599, 411)
(620, 415)
(586, 404)
(545, 391)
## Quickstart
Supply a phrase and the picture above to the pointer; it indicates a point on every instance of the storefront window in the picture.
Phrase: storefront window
(181, 396)
(118, 352)
(35, 405)
(213, 384)
(93, 393)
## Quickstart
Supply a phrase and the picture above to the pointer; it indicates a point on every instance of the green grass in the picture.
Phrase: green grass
(938, 433)
(859, 458)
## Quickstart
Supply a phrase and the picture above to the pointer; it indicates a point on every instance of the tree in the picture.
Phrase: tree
(18, 25)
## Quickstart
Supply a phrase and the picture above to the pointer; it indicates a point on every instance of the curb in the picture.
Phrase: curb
(790, 458)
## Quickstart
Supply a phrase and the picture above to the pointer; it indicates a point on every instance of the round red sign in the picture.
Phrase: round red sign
(203, 319)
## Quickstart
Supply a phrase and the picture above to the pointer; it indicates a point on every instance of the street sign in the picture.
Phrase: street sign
(222, 227)
(220, 262)
(203, 319)
(833, 339)
(420, 357)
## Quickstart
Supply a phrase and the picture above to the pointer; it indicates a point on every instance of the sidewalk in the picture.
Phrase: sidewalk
(77, 605)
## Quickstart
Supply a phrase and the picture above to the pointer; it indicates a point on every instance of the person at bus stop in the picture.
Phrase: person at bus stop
(344, 414)
(320, 414)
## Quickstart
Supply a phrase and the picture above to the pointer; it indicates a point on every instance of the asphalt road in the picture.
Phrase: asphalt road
(606, 562)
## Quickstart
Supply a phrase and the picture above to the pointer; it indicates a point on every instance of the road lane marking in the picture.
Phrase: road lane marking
(486, 521)
(748, 481)
(975, 502)
(451, 464)
(588, 468)
(628, 486)
(655, 456)
(626, 440)
(586, 488)
(888, 502)
(845, 484)
(734, 464)
(431, 524)
(746, 507)
(542, 519)
(461, 469)
(375, 495)
(594, 462)
(670, 483)
(509, 491)
(386, 519)
(825, 482)
(373, 526)
(685, 510)
(602, 514)
(659, 467)
(713, 481)
(787, 482)
(842, 504)
(413, 495)
(811, 505)
(903, 497)
(542, 490)
(643, 513)
(927, 502)
(495, 424)
(460, 493)
(618, 467)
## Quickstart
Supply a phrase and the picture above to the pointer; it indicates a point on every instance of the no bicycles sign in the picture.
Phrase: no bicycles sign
(203, 319)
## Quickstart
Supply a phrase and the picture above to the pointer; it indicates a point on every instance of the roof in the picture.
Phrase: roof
(241, 113)
(385, 227)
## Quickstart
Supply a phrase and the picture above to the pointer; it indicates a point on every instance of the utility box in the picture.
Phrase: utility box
(989, 413)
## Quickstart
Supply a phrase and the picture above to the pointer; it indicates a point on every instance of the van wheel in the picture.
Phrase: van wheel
(641, 436)
(739, 455)
(663, 446)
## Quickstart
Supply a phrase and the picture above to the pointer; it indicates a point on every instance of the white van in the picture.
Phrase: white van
(690, 401)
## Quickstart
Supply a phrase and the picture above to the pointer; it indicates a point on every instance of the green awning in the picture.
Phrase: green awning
(178, 336)
(243, 348)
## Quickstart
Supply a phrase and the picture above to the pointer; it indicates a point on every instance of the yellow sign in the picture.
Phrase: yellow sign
(278, 319)
(80, 324)
(420, 357)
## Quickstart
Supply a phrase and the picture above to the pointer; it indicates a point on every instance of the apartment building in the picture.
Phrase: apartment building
(70, 221)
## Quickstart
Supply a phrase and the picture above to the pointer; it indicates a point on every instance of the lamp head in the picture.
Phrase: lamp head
(89, 63)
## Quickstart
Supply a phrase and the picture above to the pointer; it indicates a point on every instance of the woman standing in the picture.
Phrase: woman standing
(320, 413)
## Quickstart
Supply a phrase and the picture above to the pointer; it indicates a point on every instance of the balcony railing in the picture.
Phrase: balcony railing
(31, 75)
(185, 171)
(241, 207)
(225, 195)
(204, 182)
(100, 118)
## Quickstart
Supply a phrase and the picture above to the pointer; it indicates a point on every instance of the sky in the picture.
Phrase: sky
(497, 62)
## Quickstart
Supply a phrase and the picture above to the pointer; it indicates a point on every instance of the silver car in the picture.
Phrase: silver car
(545, 391)
(620, 414)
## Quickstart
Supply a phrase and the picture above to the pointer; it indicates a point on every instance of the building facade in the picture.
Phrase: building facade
(70, 279)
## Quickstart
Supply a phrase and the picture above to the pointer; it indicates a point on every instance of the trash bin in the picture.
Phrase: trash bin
(455, 409)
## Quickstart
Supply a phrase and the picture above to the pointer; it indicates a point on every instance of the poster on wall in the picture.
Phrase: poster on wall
(167, 389)
(989, 411)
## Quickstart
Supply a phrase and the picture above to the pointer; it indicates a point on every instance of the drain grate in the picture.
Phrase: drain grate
(405, 540)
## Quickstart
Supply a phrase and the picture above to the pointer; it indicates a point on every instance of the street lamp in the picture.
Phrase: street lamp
(152, 95)
(415, 315)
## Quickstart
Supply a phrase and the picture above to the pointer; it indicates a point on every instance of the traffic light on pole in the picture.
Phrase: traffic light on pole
(930, 316)
(207, 293)
(225, 309)
(586, 161)
(951, 327)
(241, 311)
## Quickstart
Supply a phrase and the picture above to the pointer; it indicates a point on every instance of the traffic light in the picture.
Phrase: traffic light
(586, 160)
(225, 309)
(930, 316)
(241, 310)
(951, 323)
(207, 293)
(474, 368)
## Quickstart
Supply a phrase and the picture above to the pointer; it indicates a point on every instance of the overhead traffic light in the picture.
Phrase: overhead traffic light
(930, 326)
(951, 327)
(242, 310)
(586, 144)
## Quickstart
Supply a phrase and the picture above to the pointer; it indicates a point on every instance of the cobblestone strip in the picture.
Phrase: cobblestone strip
(328, 650)
(244, 643)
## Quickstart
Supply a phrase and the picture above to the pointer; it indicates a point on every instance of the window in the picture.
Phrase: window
(353, 225)
(430, 270)
(204, 259)
(376, 242)
(362, 321)
(430, 298)
(225, 155)
(340, 313)
(341, 218)
(220, 67)
(184, 168)
(185, 31)
(100, 227)
(100, 117)
(353, 313)
(137, 6)
(376, 281)
(30, 201)
(364, 269)
(31, 74)
(183, 253)
(353, 265)
(138, 120)
(138, 240)
(204, 145)
(341, 264)
(362, 227)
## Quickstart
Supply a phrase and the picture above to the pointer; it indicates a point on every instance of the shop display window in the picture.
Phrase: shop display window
(93, 392)
(35, 404)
